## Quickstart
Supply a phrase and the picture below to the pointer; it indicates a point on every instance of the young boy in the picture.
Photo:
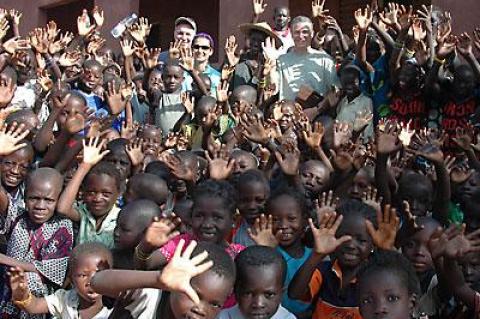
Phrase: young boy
(146, 186)
(79, 302)
(261, 273)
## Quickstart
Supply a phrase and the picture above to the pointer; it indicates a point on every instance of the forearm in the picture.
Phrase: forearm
(66, 200)
(16, 30)
(55, 151)
(386, 38)
(128, 63)
(472, 159)
(473, 62)
(381, 178)
(12, 262)
(112, 282)
(323, 157)
(201, 85)
(69, 155)
(129, 113)
(441, 204)
(362, 51)
(300, 285)
(52, 64)
(456, 283)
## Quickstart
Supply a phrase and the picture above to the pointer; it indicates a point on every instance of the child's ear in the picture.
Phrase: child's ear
(412, 302)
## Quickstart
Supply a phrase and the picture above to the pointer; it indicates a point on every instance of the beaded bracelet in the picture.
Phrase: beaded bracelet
(141, 255)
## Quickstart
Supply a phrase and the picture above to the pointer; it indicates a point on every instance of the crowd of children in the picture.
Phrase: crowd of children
(312, 174)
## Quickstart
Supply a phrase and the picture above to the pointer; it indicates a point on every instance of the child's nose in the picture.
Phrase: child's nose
(258, 302)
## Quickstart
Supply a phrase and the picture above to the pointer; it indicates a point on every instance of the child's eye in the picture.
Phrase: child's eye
(392, 298)
(215, 305)
(365, 301)
(270, 295)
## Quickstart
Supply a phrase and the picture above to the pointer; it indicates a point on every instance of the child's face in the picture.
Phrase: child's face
(384, 295)
(288, 113)
(172, 78)
(407, 76)
(100, 194)
(91, 78)
(251, 201)
(152, 138)
(260, 294)
(288, 221)
(356, 250)
(211, 222)
(212, 289)
(350, 84)
(243, 163)
(83, 271)
(314, 178)
(126, 234)
(418, 196)
(73, 112)
(470, 264)
(41, 199)
(14, 167)
(416, 248)
(202, 109)
(120, 159)
(360, 185)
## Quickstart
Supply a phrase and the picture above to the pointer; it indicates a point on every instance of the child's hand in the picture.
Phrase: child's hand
(188, 102)
(222, 91)
(406, 133)
(127, 48)
(174, 50)
(84, 26)
(387, 140)
(116, 102)
(178, 273)
(411, 225)
(439, 239)
(425, 15)
(150, 57)
(390, 17)
(317, 8)
(370, 198)
(462, 244)
(187, 62)
(61, 44)
(140, 31)
(7, 91)
(288, 157)
(388, 222)
(447, 47)
(4, 27)
(179, 169)
(160, 231)
(220, 164)
(262, 231)
(254, 129)
(362, 120)
(98, 16)
(325, 205)
(18, 284)
(258, 7)
(95, 45)
(463, 138)
(405, 17)
(16, 43)
(10, 139)
(15, 15)
(227, 71)
(92, 151)
(70, 58)
(39, 40)
(313, 137)
(464, 44)
(341, 134)
(363, 18)
(135, 153)
(324, 238)
(230, 48)
(210, 120)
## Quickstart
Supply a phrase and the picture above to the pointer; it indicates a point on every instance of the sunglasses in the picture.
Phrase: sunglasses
(203, 47)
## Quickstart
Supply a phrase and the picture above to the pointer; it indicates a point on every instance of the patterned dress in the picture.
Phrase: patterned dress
(46, 246)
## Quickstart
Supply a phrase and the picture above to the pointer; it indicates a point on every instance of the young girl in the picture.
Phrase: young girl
(387, 285)
(98, 213)
(79, 302)
(253, 190)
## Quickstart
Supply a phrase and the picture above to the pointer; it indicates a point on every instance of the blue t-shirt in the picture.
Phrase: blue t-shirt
(215, 79)
(94, 102)
(293, 265)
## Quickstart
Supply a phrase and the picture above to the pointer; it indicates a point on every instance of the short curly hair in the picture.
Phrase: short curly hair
(221, 189)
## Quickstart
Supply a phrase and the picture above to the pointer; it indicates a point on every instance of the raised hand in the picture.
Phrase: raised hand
(18, 284)
(220, 164)
(405, 17)
(140, 31)
(127, 48)
(419, 32)
(317, 8)
(179, 169)
(444, 29)
(187, 62)
(92, 151)
(98, 16)
(11, 138)
(325, 241)
(227, 71)
(95, 45)
(406, 134)
(84, 25)
(341, 134)
(388, 222)
(188, 101)
(288, 158)
(52, 31)
(160, 231)
(70, 58)
(326, 204)
(463, 138)
(362, 120)
(61, 44)
(447, 47)
(135, 152)
(210, 120)
(4, 27)
(116, 102)
(39, 40)
(230, 51)
(269, 50)
(387, 140)
(313, 135)
(464, 44)
(425, 14)
(259, 7)
(15, 15)
(7, 91)
(390, 16)
(363, 18)
(174, 50)
(178, 273)
(476, 38)
(438, 241)
(150, 57)
(222, 92)
(262, 231)
(16, 43)
(370, 198)
(254, 129)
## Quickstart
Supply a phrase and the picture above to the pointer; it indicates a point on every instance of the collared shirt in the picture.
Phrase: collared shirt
(347, 111)
(315, 69)
(64, 304)
(88, 227)
(332, 298)
(235, 313)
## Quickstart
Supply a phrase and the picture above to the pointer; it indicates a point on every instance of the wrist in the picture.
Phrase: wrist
(141, 254)
(25, 302)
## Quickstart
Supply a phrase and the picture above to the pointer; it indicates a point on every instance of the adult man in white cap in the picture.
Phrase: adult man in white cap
(185, 30)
